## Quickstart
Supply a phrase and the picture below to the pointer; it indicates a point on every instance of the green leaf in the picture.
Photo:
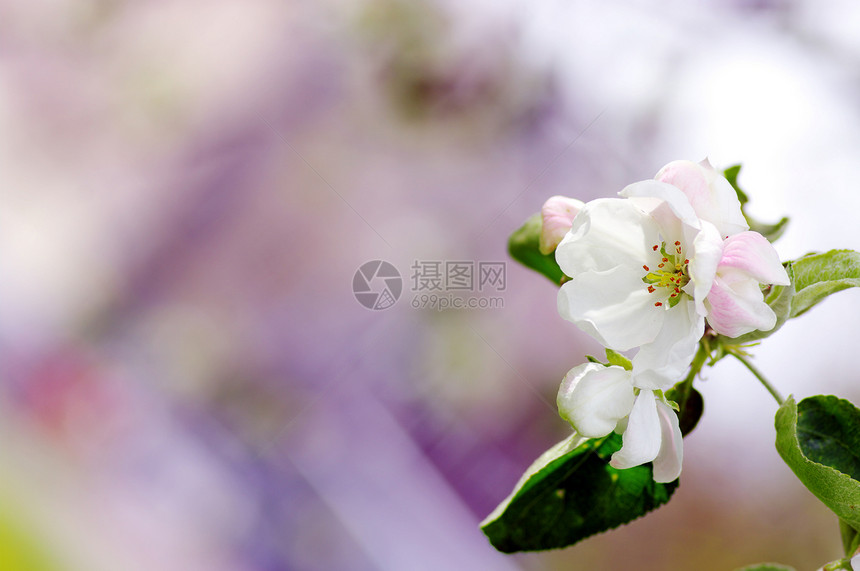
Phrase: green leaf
(770, 231)
(766, 567)
(731, 175)
(819, 275)
(813, 277)
(524, 247)
(827, 429)
(570, 493)
(819, 441)
(780, 300)
(619, 360)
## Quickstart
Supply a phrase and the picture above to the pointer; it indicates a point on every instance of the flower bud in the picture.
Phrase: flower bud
(557, 215)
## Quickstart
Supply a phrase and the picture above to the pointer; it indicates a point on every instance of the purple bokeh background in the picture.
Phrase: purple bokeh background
(186, 379)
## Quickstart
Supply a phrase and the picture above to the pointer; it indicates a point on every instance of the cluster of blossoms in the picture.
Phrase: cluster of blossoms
(647, 271)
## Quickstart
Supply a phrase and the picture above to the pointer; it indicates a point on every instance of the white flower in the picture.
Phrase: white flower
(597, 400)
(647, 269)
(557, 215)
(734, 304)
(632, 283)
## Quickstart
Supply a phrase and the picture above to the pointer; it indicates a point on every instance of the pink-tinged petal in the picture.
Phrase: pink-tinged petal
(607, 232)
(704, 260)
(613, 306)
(751, 253)
(663, 362)
(641, 440)
(593, 398)
(663, 202)
(557, 216)
(709, 193)
(667, 464)
(736, 306)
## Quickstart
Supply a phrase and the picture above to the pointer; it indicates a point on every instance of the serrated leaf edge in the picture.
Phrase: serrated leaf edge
(789, 408)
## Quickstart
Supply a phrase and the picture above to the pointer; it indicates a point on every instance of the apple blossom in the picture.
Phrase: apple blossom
(596, 400)
(648, 268)
(557, 215)
(631, 283)
(727, 292)
(646, 273)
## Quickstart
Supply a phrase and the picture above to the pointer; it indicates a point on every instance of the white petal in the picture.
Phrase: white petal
(606, 233)
(736, 306)
(667, 464)
(665, 203)
(613, 306)
(557, 216)
(725, 198)
(753, 254)
(593, 398)
(704, 260)
(641, 440)
(663, 362)
(573, 376)
(709, 193)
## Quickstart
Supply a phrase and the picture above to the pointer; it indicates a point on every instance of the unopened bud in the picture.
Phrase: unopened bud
(557, 216)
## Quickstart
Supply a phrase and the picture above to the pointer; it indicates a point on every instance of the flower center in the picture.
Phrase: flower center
(670, 273)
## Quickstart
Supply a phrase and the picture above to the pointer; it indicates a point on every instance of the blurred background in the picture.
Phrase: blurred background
(187, 380)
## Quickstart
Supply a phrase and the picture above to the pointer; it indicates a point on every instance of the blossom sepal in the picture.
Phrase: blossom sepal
(612, 358)
(541, 514)
(619, 360)
(524, 246)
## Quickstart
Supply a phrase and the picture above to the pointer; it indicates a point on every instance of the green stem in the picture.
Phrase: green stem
(770, 388)
(850, 538)
(683, 388)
